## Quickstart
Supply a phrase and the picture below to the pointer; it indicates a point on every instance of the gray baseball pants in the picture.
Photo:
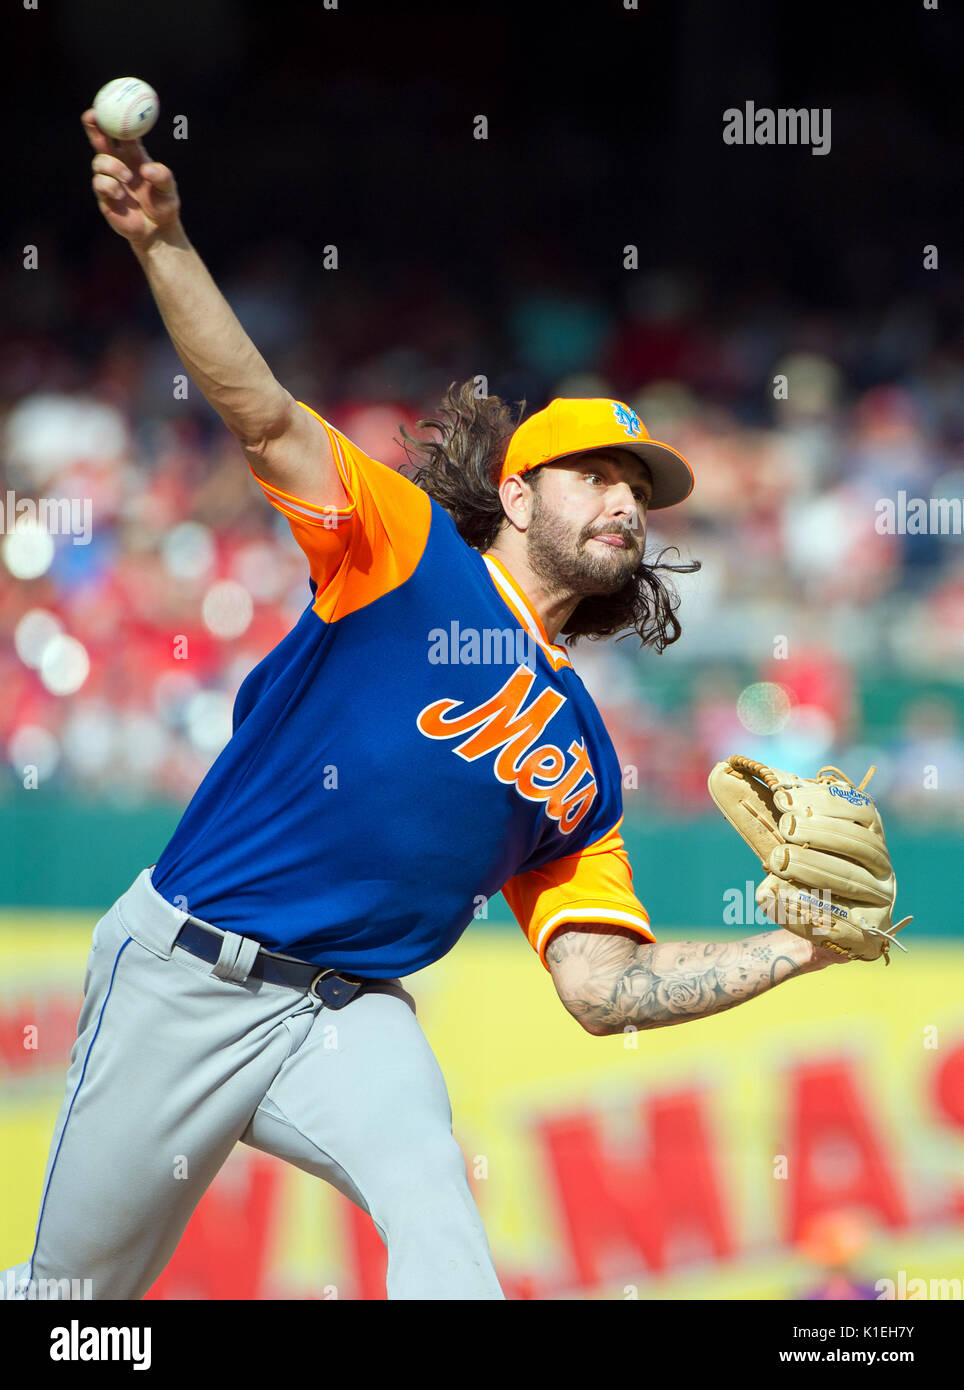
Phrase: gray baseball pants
(174, 1064)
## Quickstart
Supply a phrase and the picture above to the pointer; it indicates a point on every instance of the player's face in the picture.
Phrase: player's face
(587, 530)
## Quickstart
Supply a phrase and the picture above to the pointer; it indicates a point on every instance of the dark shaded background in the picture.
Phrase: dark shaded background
(354, 126)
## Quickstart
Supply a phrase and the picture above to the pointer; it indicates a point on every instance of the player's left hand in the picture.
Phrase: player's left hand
(824, 956)
(820, 840)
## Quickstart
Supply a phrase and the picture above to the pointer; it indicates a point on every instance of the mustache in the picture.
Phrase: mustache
(630, 537)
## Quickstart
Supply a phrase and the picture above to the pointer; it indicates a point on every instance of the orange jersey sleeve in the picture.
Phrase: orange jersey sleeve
(370, 546)
(594, 885)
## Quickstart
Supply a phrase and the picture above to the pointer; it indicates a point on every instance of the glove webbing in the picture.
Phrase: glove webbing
(767, 775)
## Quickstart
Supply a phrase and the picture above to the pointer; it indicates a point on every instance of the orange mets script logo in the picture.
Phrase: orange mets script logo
(503, 727)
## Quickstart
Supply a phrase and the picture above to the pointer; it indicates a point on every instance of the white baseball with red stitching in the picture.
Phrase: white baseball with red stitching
(126, 108)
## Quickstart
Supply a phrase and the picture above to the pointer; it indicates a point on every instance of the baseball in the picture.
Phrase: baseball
(126, 108)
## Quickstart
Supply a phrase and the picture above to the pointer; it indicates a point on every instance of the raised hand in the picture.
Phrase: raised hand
(137, 197)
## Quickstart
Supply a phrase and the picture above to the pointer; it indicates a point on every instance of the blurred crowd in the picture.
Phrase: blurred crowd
(811, 634)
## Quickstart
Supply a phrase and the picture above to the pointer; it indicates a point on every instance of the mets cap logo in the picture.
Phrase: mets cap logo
(627, 418)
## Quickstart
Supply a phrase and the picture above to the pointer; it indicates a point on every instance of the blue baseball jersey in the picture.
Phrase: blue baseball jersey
(414, 746)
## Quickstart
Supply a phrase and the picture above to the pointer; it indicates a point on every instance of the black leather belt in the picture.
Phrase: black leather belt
(333, 989)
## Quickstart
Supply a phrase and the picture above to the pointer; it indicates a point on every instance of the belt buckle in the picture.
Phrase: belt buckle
(331, 998)
(322, 975)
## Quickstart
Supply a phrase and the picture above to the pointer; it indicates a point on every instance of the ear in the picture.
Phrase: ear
(515, 494)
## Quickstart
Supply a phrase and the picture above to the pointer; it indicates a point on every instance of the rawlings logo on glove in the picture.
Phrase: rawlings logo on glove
(821, 842)
(852, 795)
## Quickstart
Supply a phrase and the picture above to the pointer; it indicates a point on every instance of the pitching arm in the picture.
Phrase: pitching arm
(284, 444)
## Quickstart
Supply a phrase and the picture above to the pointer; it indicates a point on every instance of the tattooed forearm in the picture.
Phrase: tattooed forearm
(609, 980)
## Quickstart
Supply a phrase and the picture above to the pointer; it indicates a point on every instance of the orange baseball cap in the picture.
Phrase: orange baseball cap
(572, 426)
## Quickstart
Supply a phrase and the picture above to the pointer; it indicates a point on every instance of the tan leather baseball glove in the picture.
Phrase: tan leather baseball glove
(821, 842)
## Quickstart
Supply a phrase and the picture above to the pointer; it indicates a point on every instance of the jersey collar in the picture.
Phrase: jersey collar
(515, 599)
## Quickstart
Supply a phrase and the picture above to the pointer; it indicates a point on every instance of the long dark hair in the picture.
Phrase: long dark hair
(460, 470)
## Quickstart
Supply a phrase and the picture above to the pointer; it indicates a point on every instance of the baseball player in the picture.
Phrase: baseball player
(386, 770)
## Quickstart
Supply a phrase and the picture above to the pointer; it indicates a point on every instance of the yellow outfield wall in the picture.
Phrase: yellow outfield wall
(729, 1157)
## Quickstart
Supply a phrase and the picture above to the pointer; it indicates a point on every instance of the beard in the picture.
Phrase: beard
(572, 565)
